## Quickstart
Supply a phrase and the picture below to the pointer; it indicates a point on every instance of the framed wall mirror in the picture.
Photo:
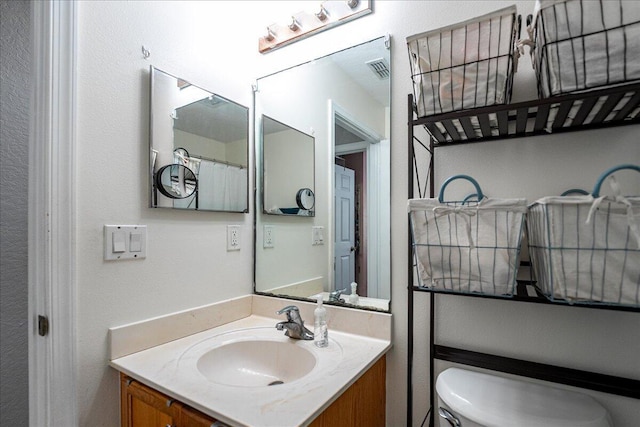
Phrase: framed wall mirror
(199, 148)
(343, 101)
(288, 162)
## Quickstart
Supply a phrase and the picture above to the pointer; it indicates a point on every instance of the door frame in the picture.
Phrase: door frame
(377, 151)
(52, 203)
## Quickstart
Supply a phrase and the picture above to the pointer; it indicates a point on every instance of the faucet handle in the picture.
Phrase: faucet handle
(288, 311)
(335, 295)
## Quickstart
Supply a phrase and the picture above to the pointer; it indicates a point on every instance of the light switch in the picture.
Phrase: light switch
(118, 242)
(135, 241)
(125, 242)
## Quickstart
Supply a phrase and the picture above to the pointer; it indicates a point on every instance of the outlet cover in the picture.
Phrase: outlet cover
(233, 237)
(269, 237)
(317, 235)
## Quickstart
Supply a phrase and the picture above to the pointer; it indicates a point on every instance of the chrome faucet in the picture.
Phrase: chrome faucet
(335, 295)
(294, 325)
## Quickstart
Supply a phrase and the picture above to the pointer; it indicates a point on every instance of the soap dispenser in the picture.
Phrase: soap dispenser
(320, 333)
(353, 298)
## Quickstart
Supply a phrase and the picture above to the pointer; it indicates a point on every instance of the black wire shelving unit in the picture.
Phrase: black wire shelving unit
(613, 106)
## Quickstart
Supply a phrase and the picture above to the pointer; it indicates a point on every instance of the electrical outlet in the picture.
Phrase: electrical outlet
(317, 235)
(268, 239)
(233, 237)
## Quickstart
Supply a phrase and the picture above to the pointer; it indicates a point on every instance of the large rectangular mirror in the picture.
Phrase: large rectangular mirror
(198, 148)
(343, 101)
(288, 162)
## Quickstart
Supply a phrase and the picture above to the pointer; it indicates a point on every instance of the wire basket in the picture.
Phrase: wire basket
(470, 246)
(586, 248)
(465, 65)
(582, 45)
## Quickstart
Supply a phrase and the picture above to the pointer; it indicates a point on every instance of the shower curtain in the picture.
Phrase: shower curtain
(221, 187)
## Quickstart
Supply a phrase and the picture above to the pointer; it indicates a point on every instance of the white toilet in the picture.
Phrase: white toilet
(473, 399)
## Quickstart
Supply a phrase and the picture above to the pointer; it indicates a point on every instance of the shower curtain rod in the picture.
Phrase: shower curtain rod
(223, 162)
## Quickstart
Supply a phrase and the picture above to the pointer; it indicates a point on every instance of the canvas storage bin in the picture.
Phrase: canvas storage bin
(465, 65)
(587, 247)
(467, 246)
(580, 45)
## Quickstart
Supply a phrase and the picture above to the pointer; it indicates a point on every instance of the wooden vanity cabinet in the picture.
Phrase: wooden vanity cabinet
(361, 405)
(190, 417)
(142, 406)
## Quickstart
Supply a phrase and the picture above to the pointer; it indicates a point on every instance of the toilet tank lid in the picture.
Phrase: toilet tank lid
(497, 401)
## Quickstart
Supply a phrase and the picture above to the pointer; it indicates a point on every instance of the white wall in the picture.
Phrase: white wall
(187, 264)
(214, 44)
(205, 147)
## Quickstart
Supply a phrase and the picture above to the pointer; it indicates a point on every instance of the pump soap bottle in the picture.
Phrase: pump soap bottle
(353, 298)
(320, 333)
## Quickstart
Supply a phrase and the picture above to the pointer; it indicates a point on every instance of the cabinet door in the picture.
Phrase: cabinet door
(189, 417)
(145, 407)
(370, 396)
(362, 404)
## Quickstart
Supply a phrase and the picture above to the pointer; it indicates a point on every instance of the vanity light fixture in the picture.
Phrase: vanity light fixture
(322, 14)
(304, 24)
(294, 25)
(270, 34)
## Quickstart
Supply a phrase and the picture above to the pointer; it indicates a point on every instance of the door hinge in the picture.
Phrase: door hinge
(43, 325)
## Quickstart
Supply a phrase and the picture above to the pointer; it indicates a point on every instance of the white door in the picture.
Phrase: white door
(345, 255)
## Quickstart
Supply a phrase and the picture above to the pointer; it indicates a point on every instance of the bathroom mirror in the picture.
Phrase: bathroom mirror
(287, 169)
(342, 102)
(198, 148)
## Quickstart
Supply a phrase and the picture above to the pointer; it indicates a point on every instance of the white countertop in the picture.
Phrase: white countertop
(171, 368)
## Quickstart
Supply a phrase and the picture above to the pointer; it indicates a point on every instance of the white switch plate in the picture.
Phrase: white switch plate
(269, 237)
(317, 235)
(118, 239)
(233, 237)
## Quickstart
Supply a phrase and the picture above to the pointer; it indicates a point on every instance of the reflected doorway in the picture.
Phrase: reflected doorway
(350, 221)
(351, 145)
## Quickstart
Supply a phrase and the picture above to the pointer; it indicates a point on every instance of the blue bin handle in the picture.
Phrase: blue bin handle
(453, 178)
(468, 198)
(575, 191)
(596, 189)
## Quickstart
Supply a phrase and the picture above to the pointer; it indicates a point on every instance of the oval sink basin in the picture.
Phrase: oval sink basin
(256, 363)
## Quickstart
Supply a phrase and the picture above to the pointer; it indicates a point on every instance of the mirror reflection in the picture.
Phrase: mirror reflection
(176, 181)
(199, 148)
(287, 169)
(343, 101)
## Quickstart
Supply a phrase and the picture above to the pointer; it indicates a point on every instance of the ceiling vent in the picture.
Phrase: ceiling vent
(379, 67)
